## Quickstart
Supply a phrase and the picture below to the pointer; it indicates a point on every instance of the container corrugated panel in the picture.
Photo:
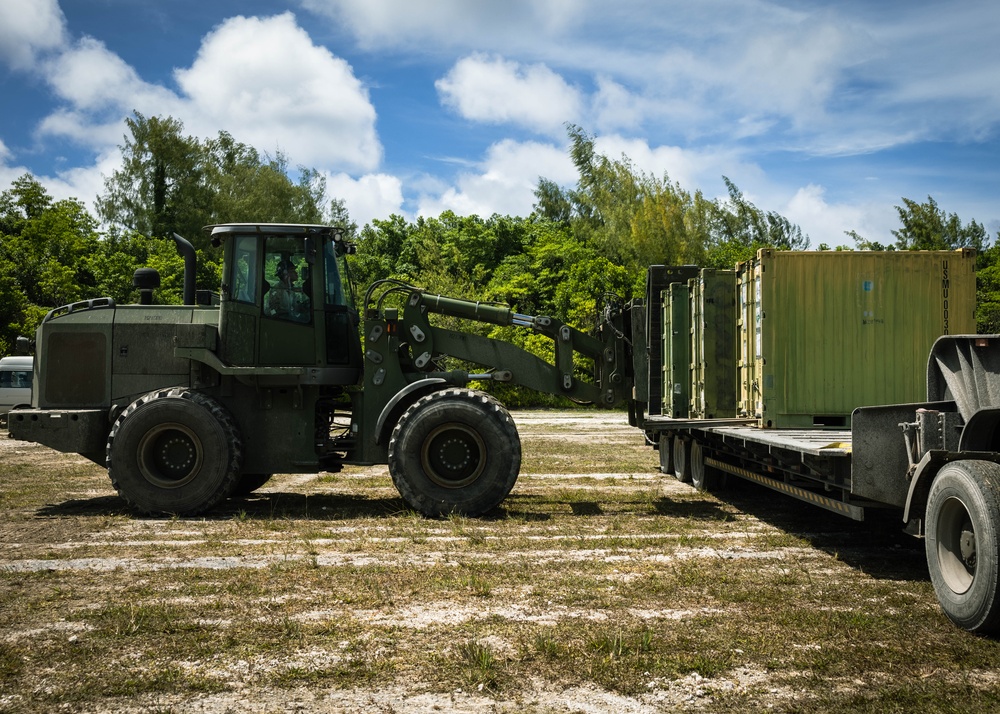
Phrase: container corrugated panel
(658, 279)
(827, 332)
(676, 350)
(713, 387)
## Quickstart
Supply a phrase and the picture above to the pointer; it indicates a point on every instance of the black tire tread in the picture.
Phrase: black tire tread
(217, 411)
(981, 612)
(426, 503)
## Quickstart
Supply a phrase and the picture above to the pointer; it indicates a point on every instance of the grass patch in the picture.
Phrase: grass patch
(634, 586)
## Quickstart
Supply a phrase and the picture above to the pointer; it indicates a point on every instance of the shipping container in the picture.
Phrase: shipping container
(676, 350)
(822, 333)
(658, 279)
(713, 344)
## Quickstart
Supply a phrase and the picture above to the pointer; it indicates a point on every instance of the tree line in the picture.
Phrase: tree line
(578, 245)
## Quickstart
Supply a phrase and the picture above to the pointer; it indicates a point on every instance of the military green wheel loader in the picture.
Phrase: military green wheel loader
(189, 404)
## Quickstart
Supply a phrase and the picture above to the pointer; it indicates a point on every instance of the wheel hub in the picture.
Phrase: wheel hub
(956, 545)
(170, 455)
(968, 546)
(453, 455)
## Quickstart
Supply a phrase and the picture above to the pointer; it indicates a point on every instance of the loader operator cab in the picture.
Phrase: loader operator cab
(287, 299)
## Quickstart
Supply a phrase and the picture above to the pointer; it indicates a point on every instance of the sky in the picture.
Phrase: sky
(826, 112)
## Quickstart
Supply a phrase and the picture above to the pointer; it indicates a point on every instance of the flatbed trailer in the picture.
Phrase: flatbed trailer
(806, 464)
(932, 466)
(802, 373)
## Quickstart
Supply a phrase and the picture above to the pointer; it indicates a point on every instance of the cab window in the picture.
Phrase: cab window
(286, 280)
(244, 271)
(337, 293)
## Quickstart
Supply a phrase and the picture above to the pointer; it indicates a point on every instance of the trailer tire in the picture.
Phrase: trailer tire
(703, 478)
(174, 451)
(963, 542)
(682, 461)
(454, 451)
(248, 483)
(666, 455)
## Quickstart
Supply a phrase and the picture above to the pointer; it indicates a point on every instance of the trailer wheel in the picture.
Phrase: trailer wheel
(454, 451)
(666, 456)
(174, 451)
(248, 483)
(682, 465)
(962, 521)
(703, 478)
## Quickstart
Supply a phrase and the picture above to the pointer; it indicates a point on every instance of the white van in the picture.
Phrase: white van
(15, 383)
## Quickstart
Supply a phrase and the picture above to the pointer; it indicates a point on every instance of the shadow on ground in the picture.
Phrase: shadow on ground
(877, 546)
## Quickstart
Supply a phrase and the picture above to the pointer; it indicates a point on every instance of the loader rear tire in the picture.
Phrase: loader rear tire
(962, 543)
(455, 451)
(174, 451)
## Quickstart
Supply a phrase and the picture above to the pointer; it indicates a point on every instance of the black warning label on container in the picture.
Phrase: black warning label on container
(944, 296)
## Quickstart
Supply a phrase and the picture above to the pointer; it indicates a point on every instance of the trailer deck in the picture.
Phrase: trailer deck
(812, 465)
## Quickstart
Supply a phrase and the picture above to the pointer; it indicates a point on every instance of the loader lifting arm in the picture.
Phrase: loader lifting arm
(402, 347)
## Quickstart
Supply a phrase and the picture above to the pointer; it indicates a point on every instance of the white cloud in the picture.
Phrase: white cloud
(29, 27)
(429, 25)
(691, 168)
(370, 196)
(827, 223)
(790, 71)
(265, 81)
(496, 91)
(814, 77)
(505, 183)
(261, 79)
(91, 78)
(615, 107)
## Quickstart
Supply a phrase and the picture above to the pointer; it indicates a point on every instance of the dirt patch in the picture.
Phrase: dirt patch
(599, 586)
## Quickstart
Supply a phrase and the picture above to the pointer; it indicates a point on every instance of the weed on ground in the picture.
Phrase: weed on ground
(600, 585)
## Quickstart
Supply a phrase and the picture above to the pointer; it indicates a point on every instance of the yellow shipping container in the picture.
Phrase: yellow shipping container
(822, 333)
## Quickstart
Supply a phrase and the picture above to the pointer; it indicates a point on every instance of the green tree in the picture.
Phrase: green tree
(739, 229)
(925, 226)
(245, 186)
(634, 219)
(45, 256)
(988, 290)
(161, 187)
(171, 183)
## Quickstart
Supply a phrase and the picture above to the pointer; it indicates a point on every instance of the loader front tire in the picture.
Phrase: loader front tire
(454, 451)
(174, 451)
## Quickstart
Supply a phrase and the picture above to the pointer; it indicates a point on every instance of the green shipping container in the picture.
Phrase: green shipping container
(713, 344)
(822, 333)
(676, 350)
(658, 280)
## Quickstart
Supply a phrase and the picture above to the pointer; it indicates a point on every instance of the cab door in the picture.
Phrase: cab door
(287, 322)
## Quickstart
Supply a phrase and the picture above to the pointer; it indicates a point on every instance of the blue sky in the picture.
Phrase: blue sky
(828, 112)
